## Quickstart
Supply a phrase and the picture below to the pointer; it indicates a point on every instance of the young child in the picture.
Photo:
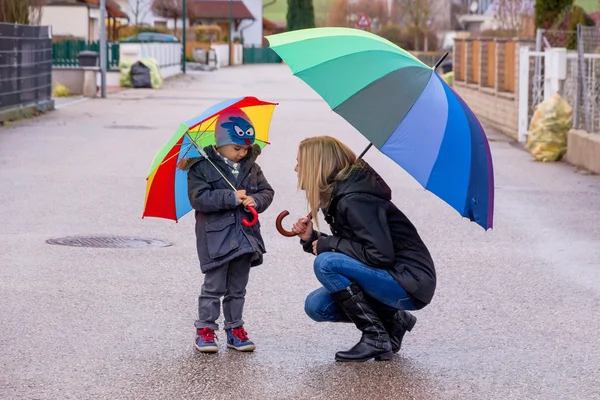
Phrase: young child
(226, 248)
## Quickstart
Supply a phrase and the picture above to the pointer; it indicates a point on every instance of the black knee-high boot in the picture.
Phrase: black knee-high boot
(397, 323)
(375, 341)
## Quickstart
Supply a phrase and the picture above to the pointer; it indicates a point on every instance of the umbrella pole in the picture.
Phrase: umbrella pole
(365, 150)
(440, 61)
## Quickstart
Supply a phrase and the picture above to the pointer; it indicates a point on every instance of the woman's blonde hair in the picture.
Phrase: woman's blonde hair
(321, 161)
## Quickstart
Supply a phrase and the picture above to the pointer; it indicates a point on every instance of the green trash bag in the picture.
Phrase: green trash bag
(548, 130)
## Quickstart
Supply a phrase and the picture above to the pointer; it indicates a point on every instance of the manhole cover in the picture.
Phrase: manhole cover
(107, 242)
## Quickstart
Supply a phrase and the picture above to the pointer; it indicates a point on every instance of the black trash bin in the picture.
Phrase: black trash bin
(88, 58)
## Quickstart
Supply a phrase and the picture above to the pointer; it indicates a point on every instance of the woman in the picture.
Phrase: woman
(374, 266)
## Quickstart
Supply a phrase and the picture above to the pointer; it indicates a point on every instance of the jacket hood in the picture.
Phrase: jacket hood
(362, 179)
(187, 163)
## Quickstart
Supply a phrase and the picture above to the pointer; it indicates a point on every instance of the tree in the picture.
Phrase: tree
(300, 14)
(342, 13)
(172, 9)
(26, 12)
(139, 10)
(510, 14)
(338, 13)
(419, 16)
(547, 11)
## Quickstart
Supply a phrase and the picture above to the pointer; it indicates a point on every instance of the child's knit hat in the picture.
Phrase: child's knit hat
(234, 127)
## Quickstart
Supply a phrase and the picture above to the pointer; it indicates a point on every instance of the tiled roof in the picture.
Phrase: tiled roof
(219, 9)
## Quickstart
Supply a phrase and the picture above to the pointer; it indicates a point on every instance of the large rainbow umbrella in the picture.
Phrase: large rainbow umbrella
(166, 187)
(402, 107)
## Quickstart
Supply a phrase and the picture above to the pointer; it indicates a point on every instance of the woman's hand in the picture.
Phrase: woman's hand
(314, 244)
(303, 228)
(249, 202)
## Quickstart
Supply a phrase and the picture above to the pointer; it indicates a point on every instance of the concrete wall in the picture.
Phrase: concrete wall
(79, 81)
(67, 20)
(222, 53)
(583, 150)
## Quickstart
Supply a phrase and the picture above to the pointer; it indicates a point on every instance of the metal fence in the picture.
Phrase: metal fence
(581, 88)
(260, 55)
(65, 52)
(25, 64)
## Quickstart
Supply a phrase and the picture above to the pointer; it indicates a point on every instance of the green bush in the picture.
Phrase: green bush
(300, 14)
(548, 11)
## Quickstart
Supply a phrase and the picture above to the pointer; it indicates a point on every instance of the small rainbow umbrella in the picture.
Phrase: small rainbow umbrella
(402, 107)
(166, 187)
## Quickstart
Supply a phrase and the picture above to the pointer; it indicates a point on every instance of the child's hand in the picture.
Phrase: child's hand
(249, 202)
(303, 228)
(240, 195)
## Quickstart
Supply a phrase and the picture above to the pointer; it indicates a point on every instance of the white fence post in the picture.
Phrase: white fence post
(523, 93)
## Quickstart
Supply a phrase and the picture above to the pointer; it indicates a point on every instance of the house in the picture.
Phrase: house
(80, 19)
(247, 15)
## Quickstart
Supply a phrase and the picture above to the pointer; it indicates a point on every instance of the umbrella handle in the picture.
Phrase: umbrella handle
(279, 221)
(252, 211)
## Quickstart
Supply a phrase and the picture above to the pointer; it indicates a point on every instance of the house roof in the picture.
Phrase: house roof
(112, 8)
(272, 25)
(219, 9)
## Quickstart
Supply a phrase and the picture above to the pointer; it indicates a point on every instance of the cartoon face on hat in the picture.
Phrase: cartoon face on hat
(234, 127)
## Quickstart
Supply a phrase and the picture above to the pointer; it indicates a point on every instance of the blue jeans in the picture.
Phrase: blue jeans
(337, 271)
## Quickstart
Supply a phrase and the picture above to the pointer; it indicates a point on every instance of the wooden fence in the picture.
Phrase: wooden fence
(488, 63)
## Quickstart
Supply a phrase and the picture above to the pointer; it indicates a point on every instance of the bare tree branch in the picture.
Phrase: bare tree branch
(27, 12)
(510, 13)
(139, 10)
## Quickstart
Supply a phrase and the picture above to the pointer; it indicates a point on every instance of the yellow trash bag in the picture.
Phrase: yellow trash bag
(155, 75)
(125, 73)
(547, 135)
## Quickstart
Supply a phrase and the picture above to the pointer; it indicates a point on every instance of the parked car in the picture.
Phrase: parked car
(150, 37)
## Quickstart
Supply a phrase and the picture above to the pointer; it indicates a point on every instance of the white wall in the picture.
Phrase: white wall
(67, 20)
(253, 35)
(168, 55)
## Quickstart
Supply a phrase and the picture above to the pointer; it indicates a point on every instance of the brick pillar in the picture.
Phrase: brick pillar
(484, 63)
(500, 51)
(469, 61)
(456, 59)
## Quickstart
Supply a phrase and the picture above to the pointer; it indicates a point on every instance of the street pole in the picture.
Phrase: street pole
(183, 17)
(230, 32)
(103, 48)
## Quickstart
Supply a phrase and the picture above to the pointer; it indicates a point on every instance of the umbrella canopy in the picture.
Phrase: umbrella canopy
(166, 187)
(402, 107)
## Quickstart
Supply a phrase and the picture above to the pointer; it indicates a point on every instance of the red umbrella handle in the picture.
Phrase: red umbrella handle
(252, 211)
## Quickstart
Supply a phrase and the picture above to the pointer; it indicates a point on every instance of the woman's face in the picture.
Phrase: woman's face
(297, 168)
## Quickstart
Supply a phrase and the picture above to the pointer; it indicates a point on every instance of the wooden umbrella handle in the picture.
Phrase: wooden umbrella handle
(279, 222)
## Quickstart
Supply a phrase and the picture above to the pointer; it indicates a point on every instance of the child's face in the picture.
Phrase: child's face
(234, 152)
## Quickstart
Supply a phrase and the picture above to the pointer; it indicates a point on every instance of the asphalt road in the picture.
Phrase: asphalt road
(515, 315)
